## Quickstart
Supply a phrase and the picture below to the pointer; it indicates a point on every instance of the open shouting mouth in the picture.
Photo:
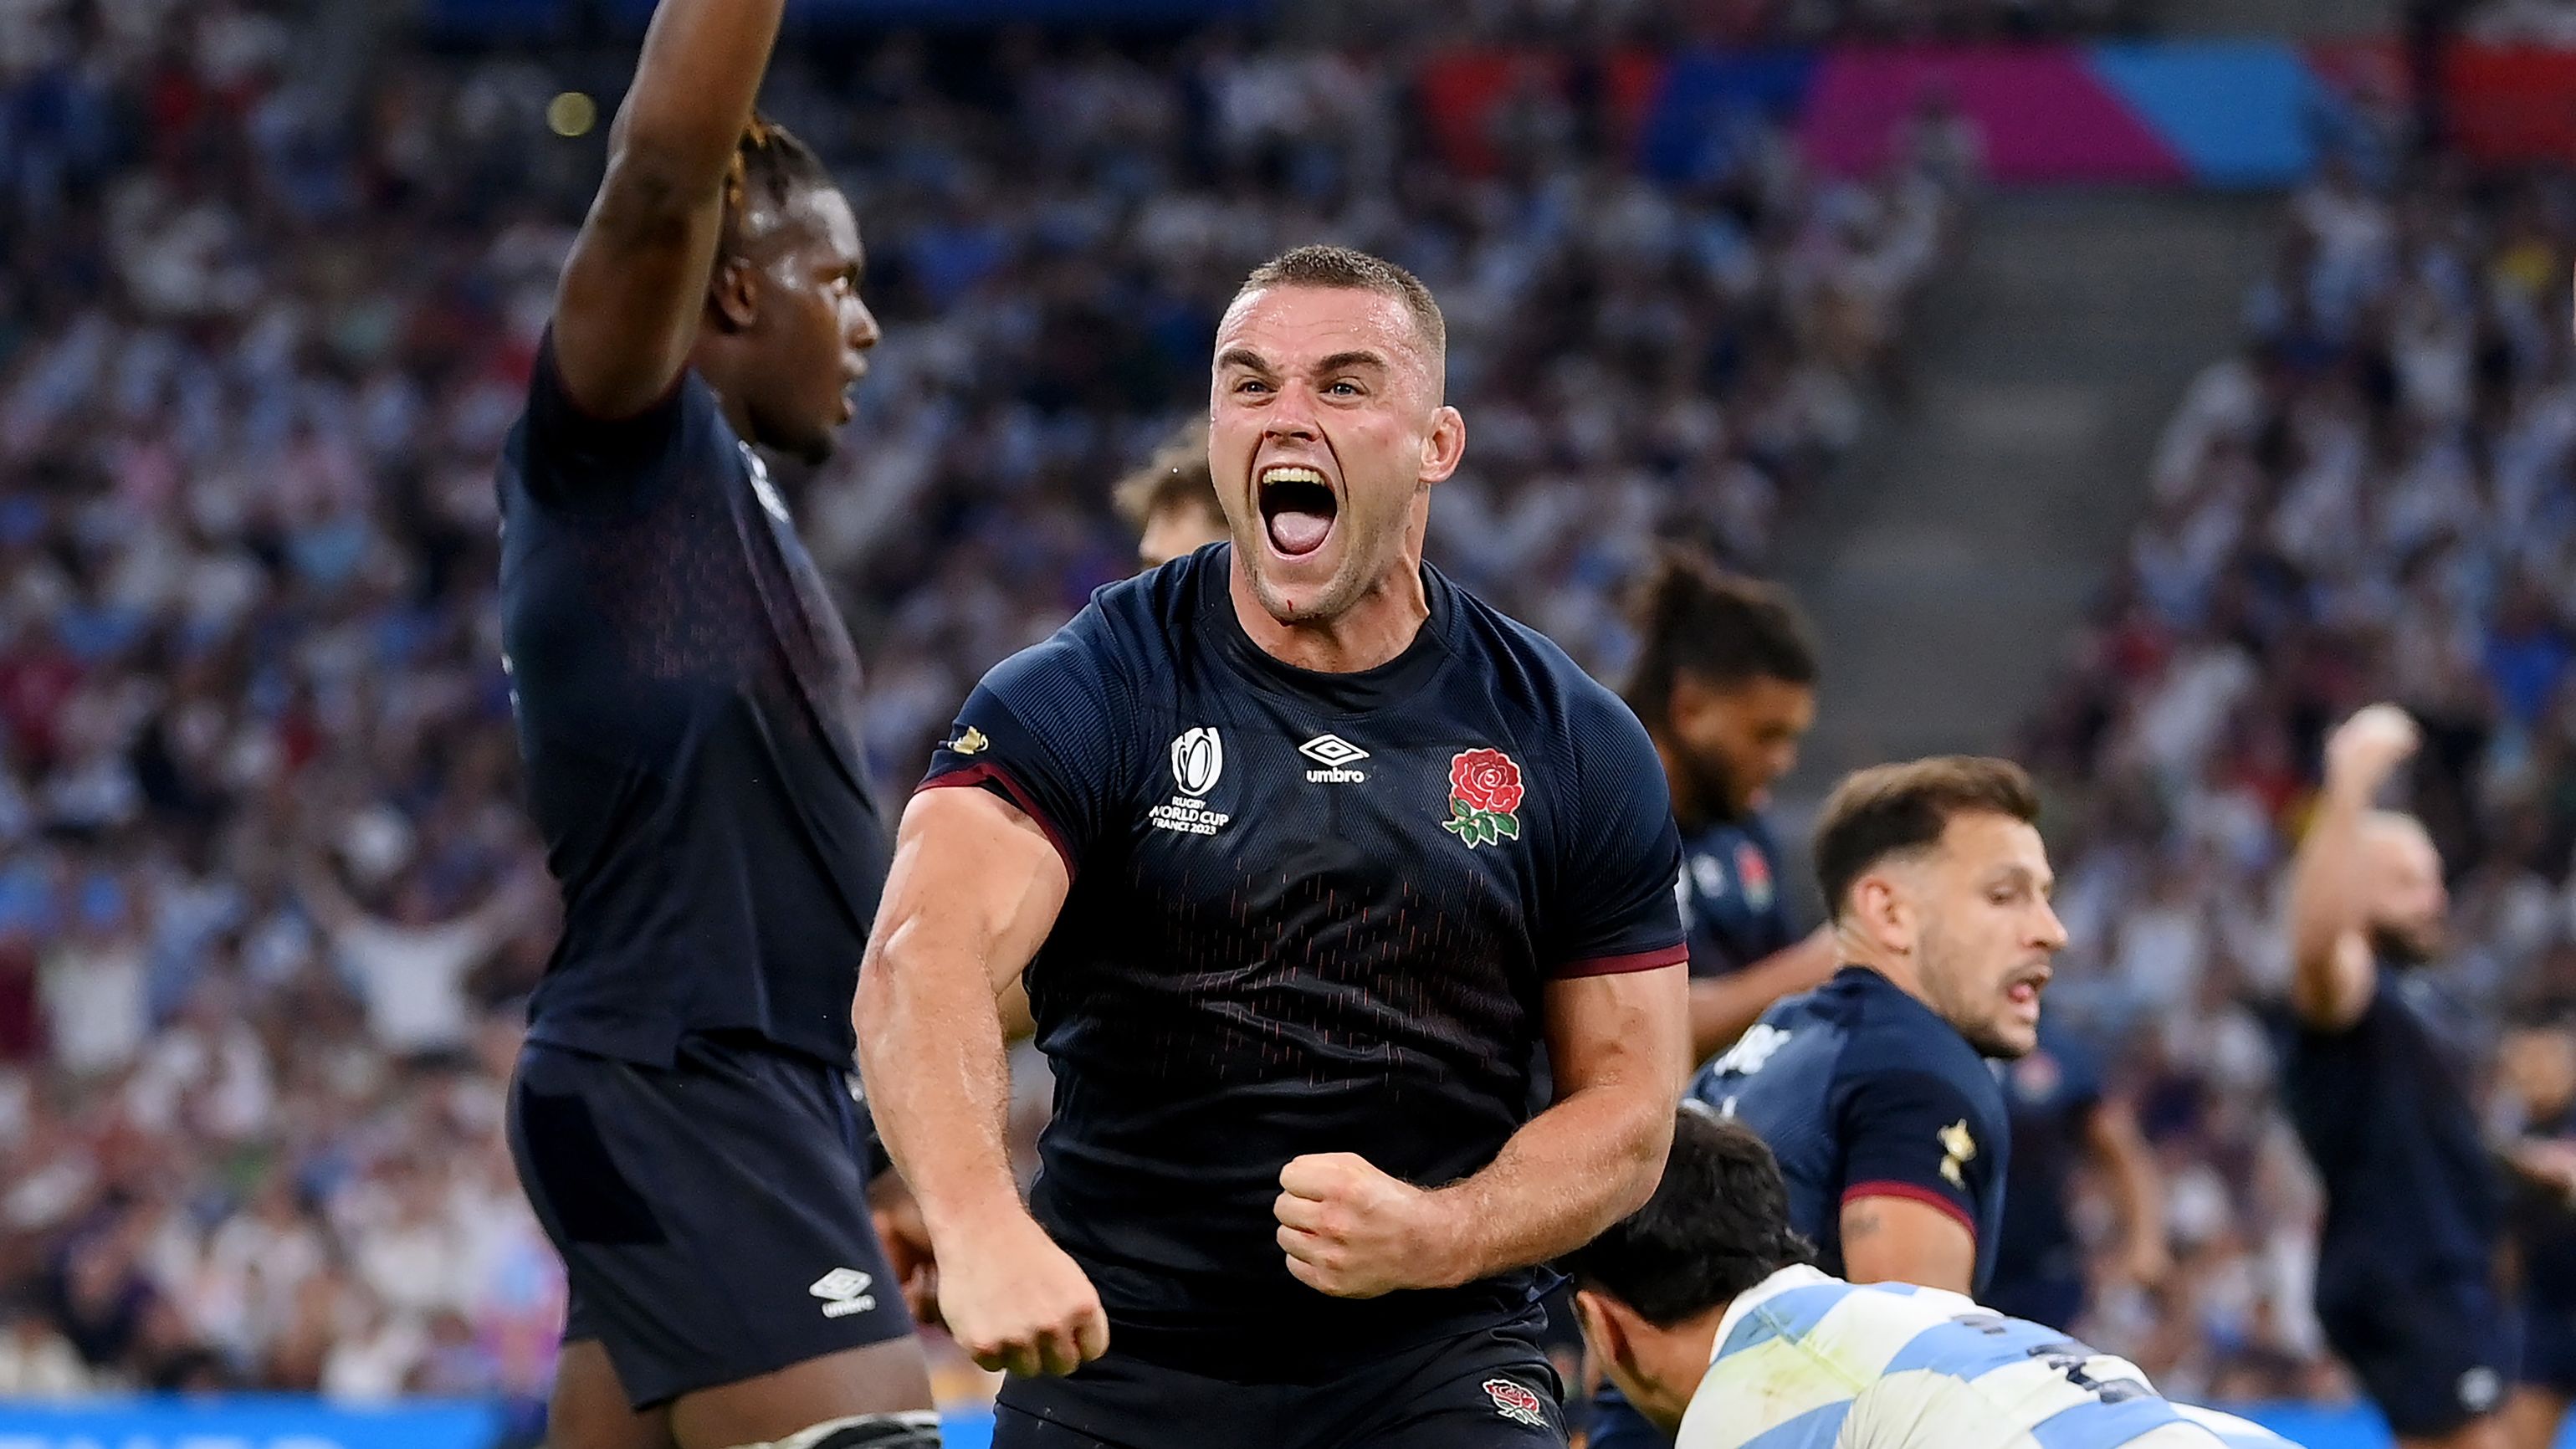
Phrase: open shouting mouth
(1297, 508)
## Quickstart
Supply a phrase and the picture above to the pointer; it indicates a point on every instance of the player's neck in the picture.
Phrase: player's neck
(1851, 950)
(1382, 625)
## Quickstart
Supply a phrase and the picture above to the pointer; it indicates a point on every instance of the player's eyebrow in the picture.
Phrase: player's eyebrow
(2018, 875)
(1346, 361)
(1245, 358)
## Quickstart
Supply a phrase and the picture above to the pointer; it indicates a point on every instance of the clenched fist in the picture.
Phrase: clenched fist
(1353, 1232)
(1015, 1302)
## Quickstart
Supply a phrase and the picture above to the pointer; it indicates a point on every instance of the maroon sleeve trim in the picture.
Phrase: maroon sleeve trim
(1675, 954)
(1911, 1193)
(1011, 790)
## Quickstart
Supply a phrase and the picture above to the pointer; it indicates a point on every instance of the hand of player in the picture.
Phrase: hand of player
(1352, 1231)
(1015, 1302)
(2367, 748)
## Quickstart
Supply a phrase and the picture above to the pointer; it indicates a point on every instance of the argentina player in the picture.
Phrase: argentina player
(1705, 1309)
(2377, 1076)
(1873, 1089)
(687, 704)
(1305, 851)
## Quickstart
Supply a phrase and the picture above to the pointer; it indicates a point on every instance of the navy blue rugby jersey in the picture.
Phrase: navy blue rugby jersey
(687, 704)
(2050, 1097)
(1863, 1091)
(2384, 1110)
(1309, 913)
(1734, 910)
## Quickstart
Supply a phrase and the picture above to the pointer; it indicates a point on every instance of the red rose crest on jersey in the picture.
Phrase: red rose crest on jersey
(1516, 1403)
(1755, 871)
(1484, 796)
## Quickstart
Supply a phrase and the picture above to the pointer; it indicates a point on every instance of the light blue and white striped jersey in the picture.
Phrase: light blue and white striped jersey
(1808, 1361)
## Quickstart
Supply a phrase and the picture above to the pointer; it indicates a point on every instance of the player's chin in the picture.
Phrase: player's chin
(1298, 588)
(813, 445)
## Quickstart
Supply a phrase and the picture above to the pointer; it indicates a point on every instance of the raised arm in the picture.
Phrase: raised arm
(636, 284)
(976, 884)
(2332, 972)
(1352, 1231)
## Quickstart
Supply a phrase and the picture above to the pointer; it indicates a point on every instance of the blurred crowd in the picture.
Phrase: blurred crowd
(1739, 21)
(2371, 501)
(267, 904)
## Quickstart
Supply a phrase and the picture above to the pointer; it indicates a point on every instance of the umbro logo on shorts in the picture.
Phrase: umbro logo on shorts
(844, 1291)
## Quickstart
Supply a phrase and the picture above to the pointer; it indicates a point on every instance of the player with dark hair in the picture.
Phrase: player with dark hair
(1705, 1308)
(1171, 501)
(2377, 1075)
(687, 700)
(1873, 1089)
(1304, 852)
(1726, 684)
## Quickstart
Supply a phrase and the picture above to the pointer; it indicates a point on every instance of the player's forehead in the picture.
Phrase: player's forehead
(1296, 328)
(1990, 846)
(819, 223)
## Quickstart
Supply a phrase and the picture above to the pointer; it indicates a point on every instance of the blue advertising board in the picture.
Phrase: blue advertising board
(249, 1422)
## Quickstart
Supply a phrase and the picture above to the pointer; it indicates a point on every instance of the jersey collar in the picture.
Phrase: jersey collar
(1359, 693)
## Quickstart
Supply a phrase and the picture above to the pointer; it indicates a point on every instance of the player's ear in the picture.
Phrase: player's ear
(1601, 1335)
(1444, 445)
(733, 294)
(1881, 912)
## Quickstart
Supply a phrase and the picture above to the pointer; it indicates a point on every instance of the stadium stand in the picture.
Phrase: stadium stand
(2368, 502)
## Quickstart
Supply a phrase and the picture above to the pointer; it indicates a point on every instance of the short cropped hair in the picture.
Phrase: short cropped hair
(1694, 618)
(1323, 265)
(1717, 1225)
(1176, 476)
(770, 166)
(1895, 809)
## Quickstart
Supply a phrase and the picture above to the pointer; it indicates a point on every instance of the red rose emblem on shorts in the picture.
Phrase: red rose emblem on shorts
(1484, 793)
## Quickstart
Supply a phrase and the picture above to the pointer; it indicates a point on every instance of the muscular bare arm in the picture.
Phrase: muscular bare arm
(627, 309)
(973, 891)
(1590, 1159)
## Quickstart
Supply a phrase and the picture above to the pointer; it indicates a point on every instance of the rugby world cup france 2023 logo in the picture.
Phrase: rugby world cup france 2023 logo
(1198, 760)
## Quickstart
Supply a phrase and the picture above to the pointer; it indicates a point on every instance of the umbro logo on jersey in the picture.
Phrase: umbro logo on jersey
(1336, 755)
(844, 1291)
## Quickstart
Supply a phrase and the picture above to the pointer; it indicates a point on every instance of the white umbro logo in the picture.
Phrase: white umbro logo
(844, 1291)
(1331, 751)
(1336, 755)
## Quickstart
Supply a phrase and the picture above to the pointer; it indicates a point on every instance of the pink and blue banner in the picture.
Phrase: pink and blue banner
(2215, 114)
